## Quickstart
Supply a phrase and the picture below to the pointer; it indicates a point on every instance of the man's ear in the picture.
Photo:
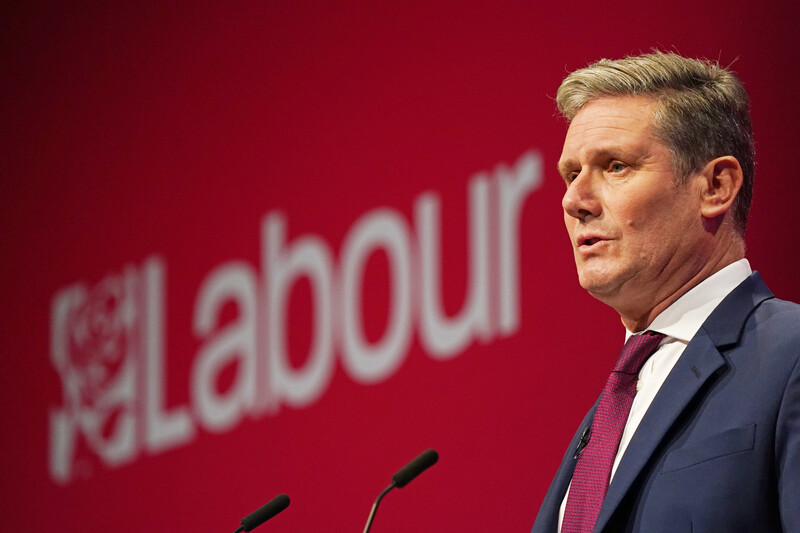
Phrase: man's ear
(721, 179)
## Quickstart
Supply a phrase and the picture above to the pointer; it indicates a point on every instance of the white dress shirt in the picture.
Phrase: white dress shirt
(679, 322)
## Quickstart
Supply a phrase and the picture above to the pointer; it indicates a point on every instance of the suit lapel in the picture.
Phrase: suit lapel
(700, 360)
(547, 520)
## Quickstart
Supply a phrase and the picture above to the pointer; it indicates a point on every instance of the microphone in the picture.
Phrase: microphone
(264, 513)
(425, 460)
(403, 477)
(584, 440)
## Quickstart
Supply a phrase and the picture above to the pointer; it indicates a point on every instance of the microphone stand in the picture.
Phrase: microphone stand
(403, 477)
(375, 506)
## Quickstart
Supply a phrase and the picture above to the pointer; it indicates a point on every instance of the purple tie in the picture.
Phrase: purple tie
(592, 473)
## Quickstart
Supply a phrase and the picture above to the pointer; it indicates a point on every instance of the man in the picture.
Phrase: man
(705, 436)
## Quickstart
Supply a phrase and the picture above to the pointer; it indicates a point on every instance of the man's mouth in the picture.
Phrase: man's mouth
(588, 243)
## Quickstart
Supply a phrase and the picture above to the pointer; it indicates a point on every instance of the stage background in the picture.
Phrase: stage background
(154, 143)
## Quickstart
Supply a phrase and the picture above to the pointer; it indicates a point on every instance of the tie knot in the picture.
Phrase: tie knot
(636, 351)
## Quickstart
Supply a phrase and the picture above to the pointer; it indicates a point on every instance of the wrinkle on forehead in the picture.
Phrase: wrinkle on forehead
(594, 123)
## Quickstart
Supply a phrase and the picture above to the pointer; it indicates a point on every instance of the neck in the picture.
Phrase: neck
(638, 318)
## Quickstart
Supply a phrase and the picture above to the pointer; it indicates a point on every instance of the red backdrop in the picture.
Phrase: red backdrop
(217, 278)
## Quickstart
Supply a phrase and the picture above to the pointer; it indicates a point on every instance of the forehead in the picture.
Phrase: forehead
(609, 124)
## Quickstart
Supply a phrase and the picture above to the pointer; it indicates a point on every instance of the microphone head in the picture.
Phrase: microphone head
(425, 460)
(264, 513)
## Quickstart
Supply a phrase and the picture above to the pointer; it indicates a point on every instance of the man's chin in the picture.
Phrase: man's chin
(593, 283)
(599, 287)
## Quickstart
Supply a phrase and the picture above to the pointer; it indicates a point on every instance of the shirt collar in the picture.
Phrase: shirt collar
(684, 316)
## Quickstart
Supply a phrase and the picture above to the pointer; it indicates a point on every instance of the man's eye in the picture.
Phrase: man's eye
(617, 167)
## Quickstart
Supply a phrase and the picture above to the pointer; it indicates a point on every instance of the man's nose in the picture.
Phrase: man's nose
(581, 200)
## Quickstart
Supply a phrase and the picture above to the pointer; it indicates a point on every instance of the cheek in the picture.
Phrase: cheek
(653, 233)
(642, 215)
(634, 213)
(642, 231)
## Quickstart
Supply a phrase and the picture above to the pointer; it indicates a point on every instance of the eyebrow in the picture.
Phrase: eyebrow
(564, 165)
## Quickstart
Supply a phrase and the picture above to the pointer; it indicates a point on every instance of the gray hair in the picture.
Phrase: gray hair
(701, 112)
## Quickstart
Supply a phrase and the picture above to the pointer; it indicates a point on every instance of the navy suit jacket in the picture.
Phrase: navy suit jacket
(719, 448)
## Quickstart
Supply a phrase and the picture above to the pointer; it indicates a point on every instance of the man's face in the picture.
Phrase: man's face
(635, 233)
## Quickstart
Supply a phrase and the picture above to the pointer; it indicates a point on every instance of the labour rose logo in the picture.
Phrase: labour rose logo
(94, 350)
